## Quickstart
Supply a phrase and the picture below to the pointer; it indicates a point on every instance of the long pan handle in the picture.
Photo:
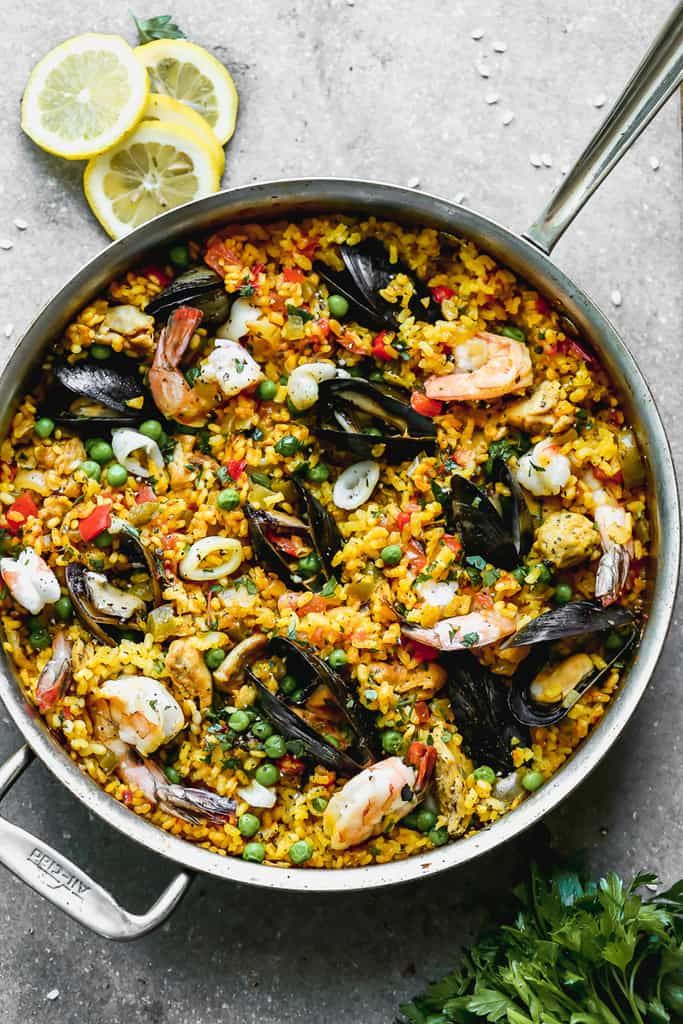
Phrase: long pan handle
(657, 77)
(66, 885)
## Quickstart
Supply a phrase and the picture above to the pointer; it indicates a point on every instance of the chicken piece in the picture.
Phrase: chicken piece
(125, 327)
(189, 674)
(426, 680)
(451, 772)
(567, 538)
(535, 414)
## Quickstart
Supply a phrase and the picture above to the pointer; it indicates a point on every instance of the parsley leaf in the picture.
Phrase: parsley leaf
(470, 639)
(246, 290)
(302, 314)
(329, 588)
(159, 27)
(505, 449)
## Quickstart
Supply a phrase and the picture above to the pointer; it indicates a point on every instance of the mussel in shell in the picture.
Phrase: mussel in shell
(271, 534)
(481, 712)
(517, 518)
(91, 394)
(573, 619)
(200, 288)
(471, 514)
(356, 415)
(79, 582)
(368, 271)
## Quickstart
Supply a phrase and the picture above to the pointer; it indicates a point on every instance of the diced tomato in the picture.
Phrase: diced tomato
(416, 556)
(256, 272)
(293, 275)
(290, 545)
(218, 254)
(322, 327)
(127, 796)
(405, 515)
(453, 543)
(425, 406)
(422, 652)
(616, 478)
(156, 273)
(483, 599)
(580, 353)
(96, 523)
(308, 246)
(422, 712)
(381, 349)
(235, 468)
(542, 306)
(19, 511)
(290, 765)
(145, 493)
(442, 292)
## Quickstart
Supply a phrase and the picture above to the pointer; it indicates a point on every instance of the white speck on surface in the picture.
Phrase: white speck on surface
(508, 117)
(547, 159)
(535, 160)
(477, 34)
(600, 100)
(413, 182)
(20, 223)
(6, 243)
(52, 994)
(499, 47)
(654, 163)
(460, 197)
(483, 70)
(616, 297)
(564, 169)
(492, 98)
(8, 330)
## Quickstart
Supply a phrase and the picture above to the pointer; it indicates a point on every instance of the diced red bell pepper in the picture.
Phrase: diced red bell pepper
(422, 712)
(542, 306)
(157, 274)
(290, 765)
(96, 523)
(256, 272)
(425, 406)
(235, 468)
(307, 247)
(381, 349)
(19, 511)
(422, 652)
(293, 275)
(579, 352)
(145, 493)
(405, 515)
(442, 292)
(322, 327)
(454, 543)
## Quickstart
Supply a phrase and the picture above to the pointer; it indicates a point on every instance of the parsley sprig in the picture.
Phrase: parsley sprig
(159, 27)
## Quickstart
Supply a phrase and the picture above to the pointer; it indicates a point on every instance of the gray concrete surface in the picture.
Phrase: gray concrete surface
(384, 89)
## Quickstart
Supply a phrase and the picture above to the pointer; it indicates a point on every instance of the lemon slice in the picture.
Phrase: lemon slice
(165, 108)
(156, 167)
(189, 73)
(84, 96)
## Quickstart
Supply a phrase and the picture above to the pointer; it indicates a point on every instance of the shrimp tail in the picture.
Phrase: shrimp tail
(423, 758)
(176, 336)
(56, 675)
(195, 805)
(612, 573)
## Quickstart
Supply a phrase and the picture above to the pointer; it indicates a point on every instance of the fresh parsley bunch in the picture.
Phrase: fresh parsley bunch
(578, 952)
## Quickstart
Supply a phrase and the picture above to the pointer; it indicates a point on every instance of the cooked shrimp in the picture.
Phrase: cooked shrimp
(377, 798)
(478, 629)
(30, 580)
(56, 674)
(143, 711)
(615, 527)
(487, 366)
(544, 470)
(172, 395)
(426, 680)
(189, 673)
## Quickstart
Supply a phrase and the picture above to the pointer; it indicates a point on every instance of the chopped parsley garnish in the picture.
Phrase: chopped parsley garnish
(504, 449)
(296, 311)
(470, 639)
(329, 588)
(192, 374)
(490, 576)
(246, 290)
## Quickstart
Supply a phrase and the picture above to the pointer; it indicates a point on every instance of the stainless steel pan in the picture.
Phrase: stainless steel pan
(65, 884)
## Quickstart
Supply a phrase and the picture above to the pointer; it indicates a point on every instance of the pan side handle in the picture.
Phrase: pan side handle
(656, 78)
(68, 887)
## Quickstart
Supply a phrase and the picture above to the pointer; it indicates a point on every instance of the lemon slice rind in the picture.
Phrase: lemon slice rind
(171, 111)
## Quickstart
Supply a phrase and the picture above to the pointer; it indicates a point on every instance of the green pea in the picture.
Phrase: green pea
(319, 803)
(297, 696)
(438, 836)
(254, 852)
(101, 451)
(337, 658)
(39, 639)
(239, 721)
(410, 820)
(152, 429)
(91, 469)
(213, 658)
(426, 820)
(392, 741)
(267, 390)
(300, 852)
(309, 565)
(520, 574)
(172, 775)
(64, 609)
(533, 780)
(129, 634)
(228, 499)
(511, 332)
(117, 476)
(248, 824)
(261, 729)
(288, 685)
(613, 642)
(100, 352)
(545, 574)
(391, 554)
(484, 774)
(44, 426)
(319, 474)
(287, 445)
(179, 255)
(267, 774)
(372, 431)
(296, 748)
(563, 593)
(338, 306)
(103, 540)
(275, 746)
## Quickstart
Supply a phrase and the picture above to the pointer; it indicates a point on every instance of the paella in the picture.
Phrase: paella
(323, 543)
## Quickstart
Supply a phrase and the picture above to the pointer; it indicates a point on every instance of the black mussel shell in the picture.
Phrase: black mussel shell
(340, 282)
(481, 712)
(574, 619)
(110, 387)
(516, 516)
(372, 271)
(475, 518)
(268, 553)
(310, 671)
(288, 723)
(530, 712)
(90, 618)
(138, 553)
(344, 402)
(199, 287)
(327, 540)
